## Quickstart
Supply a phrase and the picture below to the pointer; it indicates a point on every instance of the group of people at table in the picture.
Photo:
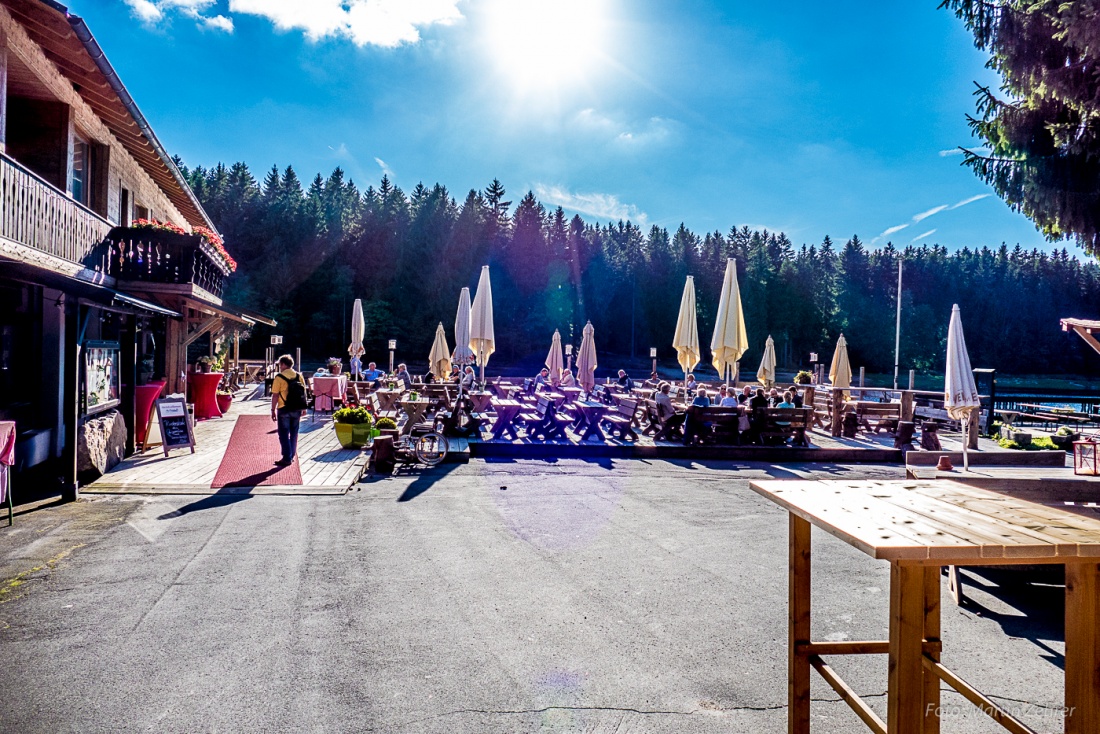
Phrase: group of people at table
(672, 404)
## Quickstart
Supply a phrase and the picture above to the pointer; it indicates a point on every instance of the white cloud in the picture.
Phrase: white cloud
(925, 214)
(386, 170)
(971, 200)
(891, 230)
(602, 206)
(919, 237)
(623, 132)
(152, 12)
(386, 23)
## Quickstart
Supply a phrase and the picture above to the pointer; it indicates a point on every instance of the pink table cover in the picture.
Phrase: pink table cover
(7, 455)
(328, 389)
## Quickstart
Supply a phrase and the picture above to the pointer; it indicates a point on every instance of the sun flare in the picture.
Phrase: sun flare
(541, 43)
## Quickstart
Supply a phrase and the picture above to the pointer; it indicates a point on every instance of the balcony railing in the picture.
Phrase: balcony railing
(155, 256)
(36, 214)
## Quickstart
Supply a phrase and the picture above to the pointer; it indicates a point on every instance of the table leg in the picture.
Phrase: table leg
(798, 611)
(1082, 648)
(931, 702)
(906, 673)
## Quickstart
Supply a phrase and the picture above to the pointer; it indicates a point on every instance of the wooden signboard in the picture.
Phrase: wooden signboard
(175, 429)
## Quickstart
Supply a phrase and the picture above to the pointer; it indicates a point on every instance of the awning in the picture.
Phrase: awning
(231, 312)
(1084, 329)
(81, 288)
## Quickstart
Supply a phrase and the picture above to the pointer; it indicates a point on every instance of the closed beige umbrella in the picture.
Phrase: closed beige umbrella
(960, 391)
(440, 357)
(462, 354)
(554, 360)
(586, 359)
(358, 329)
(686, 340)
(482, 340)
(766, 373)
(730, 339)
(840, 371)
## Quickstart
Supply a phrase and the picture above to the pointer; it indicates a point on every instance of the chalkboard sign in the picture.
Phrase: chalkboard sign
(175, 429)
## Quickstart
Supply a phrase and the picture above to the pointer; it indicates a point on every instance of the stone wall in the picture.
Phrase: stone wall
(101, 444)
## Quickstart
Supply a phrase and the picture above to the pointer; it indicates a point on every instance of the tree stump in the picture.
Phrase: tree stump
(930, 436)
(903, 439)
(383, 455)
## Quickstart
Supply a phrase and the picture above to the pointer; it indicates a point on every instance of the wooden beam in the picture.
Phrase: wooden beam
(930, 706)
(906, 687)
(1082, 648)
(798, 611)
(979, 699)
(1089, 338)
(850, 697)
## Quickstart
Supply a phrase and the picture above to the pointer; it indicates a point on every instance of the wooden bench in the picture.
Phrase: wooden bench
(714, 422)
(544, 423)
(662, 430)
(875, 417)
(620, 419)
(376, 408)
(783, 423)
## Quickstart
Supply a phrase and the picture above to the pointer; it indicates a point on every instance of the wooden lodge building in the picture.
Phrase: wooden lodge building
(90, 306)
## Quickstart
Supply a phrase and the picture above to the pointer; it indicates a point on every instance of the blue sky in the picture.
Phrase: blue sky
(811, 118)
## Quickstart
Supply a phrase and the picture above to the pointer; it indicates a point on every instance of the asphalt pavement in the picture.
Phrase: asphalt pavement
(498, 596)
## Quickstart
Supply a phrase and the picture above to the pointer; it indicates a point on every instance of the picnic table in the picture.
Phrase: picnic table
(480, 401)
(327, 390)
(507, 411)
(204, 388)
(920, 526)
(572, 394)
(590, 415)
(414, 412)
(387, 399)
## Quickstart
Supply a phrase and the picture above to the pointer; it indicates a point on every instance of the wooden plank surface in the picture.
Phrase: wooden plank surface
(938, 520)
(326, 467)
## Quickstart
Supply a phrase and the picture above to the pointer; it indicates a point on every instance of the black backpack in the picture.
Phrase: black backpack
(295, 394)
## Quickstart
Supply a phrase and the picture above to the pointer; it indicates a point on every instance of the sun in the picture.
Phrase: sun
(548, 43)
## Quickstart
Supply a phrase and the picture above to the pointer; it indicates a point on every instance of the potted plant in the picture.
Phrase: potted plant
(204, 363)
(804, 377)
(1023, 438)
(386, 427)
(334, 365)
(1064, 438)
(353, 427)
(225, 399)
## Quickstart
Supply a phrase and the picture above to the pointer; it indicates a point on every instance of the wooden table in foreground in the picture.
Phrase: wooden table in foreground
(919, 526)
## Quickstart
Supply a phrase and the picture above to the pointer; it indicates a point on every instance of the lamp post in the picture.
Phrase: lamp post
(653, 356)
(393, 346)
(569, 356)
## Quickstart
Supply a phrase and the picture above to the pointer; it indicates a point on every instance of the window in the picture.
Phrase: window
(124, 208)
(80, 183)
(140, 212)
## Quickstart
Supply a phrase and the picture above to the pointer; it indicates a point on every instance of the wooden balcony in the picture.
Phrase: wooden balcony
(149, 260)
(36, 214)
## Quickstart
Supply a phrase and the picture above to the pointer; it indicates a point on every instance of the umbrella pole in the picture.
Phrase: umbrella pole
(966, 457)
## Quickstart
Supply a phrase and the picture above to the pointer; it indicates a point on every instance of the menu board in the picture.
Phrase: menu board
(175, 428)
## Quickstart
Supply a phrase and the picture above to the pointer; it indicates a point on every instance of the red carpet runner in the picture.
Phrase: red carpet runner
(250, 457)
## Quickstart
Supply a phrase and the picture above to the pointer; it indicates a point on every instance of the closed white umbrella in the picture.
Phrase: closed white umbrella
(686, 340)
(440, 356)
(586, 359)
(462, 354)
(840, 371)
(960, 397)
(482, 340)
(554, 360)
(358, 329)
(730, 339)
(766, 373)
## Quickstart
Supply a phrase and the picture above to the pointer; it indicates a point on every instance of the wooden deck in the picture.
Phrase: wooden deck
(326, 467)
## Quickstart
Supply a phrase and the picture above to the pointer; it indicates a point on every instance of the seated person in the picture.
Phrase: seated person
(373, 375)
(787, 402)
(356, 367)
(456, 374)
(759, 400)
(729, 400)
(428, 378)
(666, 411)
(691, 427)
(469, 379)
(745, 396)
(773, 398)
(625, 382)
(404, 376)
(542, 378)
(796, 396)
(567, 378)
(690, 384)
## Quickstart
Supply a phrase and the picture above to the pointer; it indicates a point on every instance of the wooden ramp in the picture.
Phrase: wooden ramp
(326, 467)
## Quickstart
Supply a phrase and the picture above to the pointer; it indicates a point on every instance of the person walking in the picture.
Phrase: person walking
(288, 402)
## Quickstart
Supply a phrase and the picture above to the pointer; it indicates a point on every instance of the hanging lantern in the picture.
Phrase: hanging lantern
(1086, 458)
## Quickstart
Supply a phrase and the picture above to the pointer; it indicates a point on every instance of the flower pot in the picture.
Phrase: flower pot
(336, 369)
(224, 401)
(387, 432)
(1065, 442)
(345, 434)
(361, 434)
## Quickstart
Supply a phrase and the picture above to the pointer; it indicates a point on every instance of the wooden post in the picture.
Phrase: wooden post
(128, 344)
(906, 689)
(175, 355)
(972, 430)
(912, 379)
(836, 410)
(3, 91)
(1082, 647)
(862, 373)
(907, 410)
(798, 632)
(931, 700)
(70, 490)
